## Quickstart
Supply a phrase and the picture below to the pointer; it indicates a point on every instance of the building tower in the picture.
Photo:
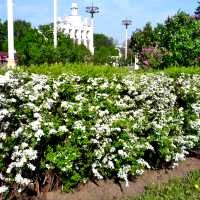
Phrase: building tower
(78, 29)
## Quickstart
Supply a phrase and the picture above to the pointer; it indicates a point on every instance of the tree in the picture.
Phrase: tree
(197, 11)
(142, 38)
(3, 36)
(101, 40)
(104, 49)
(35, 46)
(105, 55)
(175, 42)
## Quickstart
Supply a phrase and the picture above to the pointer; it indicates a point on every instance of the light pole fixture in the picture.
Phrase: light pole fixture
(92, 10)
(126, 23)
(11, 52)
(55, 29)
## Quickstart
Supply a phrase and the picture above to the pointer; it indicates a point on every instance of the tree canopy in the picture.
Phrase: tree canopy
(197, 11)
(35, 46)
(104, 49)
(175, 42)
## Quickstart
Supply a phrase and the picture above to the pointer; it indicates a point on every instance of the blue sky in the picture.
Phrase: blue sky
(112, 12)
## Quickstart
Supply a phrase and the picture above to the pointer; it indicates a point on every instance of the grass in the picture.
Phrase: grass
(96, 71)
(177, 189)
(79, 69)
(176, 71)
(2, 71)
(105, 71)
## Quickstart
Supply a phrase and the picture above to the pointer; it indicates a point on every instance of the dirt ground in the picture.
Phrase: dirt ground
(108, 190)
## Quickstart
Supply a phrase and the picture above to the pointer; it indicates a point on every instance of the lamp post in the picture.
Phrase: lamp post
(126, 23)
(55, 23)
(92, 10)
(11, 52)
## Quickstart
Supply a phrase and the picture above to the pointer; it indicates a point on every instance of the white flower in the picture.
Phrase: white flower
(104, 85)
(103, 113)
(18, 132)
(35, 126)
(123, 173)
(23, 181)
(122, 153)
(3, 189)
(63, 129)
(174, 165)
(32, 98)
(111, 164)
(143, 162)
(31, 166)
(95, 141)
(179, 157)
(65, 105)
(37, 116)
(79, 125)
(38, 134)
(24, 145)
(95, 171)
(52, 131)
(168, 158)
(49, 103)
(3, 136)
(3, 113)
(112, 150)
(79, 97)
(139, 172)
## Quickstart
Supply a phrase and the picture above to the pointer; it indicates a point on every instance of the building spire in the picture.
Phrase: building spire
(74, 9)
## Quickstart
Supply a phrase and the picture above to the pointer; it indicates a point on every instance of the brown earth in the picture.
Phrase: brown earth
(109, 190)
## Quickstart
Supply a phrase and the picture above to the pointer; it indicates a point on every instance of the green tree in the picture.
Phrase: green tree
(101, 40)
(3, 36)
(142, 38)
(180, 36)
(105, 50)
(175, 42)
(197, 11)
(105, 55)
(35, 46)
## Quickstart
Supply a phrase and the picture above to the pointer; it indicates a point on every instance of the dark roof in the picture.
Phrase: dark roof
(3, 53)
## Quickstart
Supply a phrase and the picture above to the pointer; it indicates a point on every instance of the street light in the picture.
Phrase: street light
(11, 52)
(55, 29)
(92, 10)
(126, 23)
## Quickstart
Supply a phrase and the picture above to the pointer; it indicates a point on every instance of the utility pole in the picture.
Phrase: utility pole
(11, 52)
(92, 10)
(126, 23)
(55, 29)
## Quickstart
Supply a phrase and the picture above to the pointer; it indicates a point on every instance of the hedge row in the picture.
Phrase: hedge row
(94, 128)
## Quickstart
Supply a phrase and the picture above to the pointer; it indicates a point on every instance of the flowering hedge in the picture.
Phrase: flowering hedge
(93, 128)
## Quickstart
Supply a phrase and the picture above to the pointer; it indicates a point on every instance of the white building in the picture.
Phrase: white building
(79, 30)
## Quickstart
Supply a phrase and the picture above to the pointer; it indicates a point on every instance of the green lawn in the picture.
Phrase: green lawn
(179, 189)
(105, 71)
(79, 69)
(2, 71)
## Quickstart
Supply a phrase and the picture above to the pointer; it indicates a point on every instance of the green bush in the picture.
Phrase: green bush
(82, 127)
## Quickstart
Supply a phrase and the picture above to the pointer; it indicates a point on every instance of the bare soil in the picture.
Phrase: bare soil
(109, 190)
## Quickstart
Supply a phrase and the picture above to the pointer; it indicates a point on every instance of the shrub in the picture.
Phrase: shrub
(82, 127)
(152, 57)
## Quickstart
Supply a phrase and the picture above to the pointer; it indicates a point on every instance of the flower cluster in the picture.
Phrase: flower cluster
(94, 127)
